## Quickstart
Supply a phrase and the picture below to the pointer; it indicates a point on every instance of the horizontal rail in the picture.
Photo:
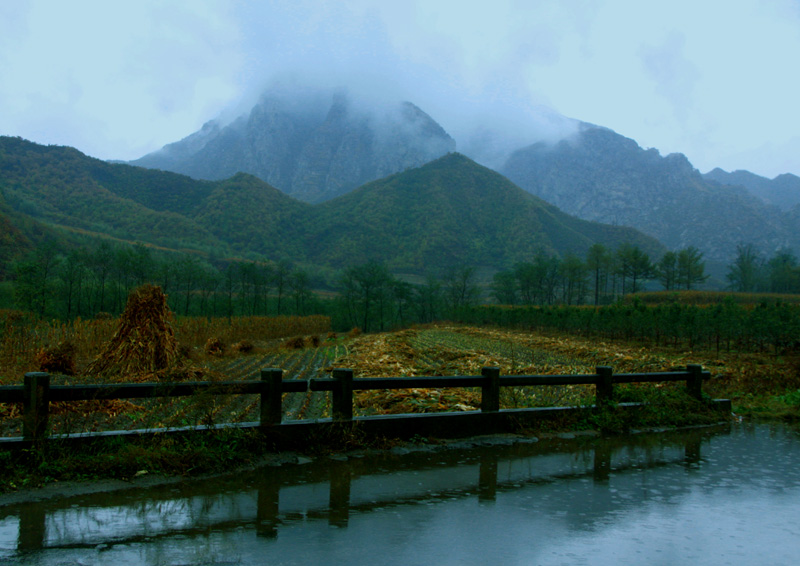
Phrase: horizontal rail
(372, 383)
(150, 390)
(526, 380)
(110, 391)
(655, 377)
(12, 394)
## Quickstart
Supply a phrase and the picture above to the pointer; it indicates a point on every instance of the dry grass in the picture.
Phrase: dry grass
(243, 347)
(23, 337)
(60, 359)
(197, 330)
(214, 347)
(144, 341)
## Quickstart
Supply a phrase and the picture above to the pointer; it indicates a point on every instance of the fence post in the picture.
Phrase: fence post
(271, 397)
(36, 405)
(604, 390)
(490, 392)
(342, 402)
(694, 383)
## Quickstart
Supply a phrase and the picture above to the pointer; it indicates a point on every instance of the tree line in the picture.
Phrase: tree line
(65, 283)
(599, 278)
(84, 281)
(752, 271)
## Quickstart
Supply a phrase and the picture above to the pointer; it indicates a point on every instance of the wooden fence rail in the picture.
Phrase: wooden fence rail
(36, 394)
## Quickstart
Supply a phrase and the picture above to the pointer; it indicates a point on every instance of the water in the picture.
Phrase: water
(721, 496)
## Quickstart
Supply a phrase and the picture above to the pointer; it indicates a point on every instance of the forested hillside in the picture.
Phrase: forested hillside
(450, 212)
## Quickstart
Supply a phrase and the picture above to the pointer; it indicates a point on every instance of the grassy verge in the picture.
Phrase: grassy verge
(126, 458)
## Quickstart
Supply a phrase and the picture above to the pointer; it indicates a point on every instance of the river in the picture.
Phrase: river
(724, 495)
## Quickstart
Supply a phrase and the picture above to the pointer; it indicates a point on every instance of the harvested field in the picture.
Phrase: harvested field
(431, 350)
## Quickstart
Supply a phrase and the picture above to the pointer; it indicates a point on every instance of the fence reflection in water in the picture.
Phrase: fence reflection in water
(329, 490)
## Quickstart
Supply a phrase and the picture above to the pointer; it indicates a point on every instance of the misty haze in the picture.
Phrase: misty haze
(568, 234)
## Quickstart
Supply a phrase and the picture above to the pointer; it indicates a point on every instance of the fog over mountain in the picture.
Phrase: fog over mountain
(118, 80)
(313, 146)
(317, 144)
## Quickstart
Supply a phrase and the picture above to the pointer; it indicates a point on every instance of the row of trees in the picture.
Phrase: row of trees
(752, 272)
(52, 282)
(61, 283)
(605, 275)
(373, 299)
(601, 277)
(727, 325)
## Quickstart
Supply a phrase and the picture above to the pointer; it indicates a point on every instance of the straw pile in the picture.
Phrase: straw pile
(144, 342)
(214, 347)
(60, 359)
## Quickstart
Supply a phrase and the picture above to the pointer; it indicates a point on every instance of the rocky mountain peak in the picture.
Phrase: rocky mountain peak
(310, 146)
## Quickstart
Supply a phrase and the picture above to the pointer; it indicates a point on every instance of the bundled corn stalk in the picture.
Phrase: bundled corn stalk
(144, 342)
(60, 359)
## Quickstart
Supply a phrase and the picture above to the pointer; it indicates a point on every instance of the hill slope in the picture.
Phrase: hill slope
(449, 212)
(452, 211)
(61, 186)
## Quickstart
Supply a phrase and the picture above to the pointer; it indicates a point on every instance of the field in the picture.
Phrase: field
(756, 382)
(760, 384)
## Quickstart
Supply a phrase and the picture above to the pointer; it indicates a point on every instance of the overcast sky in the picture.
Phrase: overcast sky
(716, 80)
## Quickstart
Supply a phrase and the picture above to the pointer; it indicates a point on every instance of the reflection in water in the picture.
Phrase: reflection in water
(708, 497)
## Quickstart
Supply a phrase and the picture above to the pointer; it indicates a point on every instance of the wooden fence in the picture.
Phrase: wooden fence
(36, 394)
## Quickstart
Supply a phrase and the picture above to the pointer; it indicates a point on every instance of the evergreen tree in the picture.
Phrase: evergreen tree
(667, 271)
(504, 288)
(784, 274)
(598, 262)
(743, 273)
(634, 265)
(691, 268)
(573, 273)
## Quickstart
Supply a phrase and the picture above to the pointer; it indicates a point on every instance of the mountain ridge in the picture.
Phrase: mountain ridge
(447, 212)
(782, 191)
(312, 157)
(600, 175)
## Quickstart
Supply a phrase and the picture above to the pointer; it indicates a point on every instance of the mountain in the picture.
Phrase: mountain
(61, 187)
(311, 148)
(783, 191)
(448, 212)
(13, 242)
(600, 175)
